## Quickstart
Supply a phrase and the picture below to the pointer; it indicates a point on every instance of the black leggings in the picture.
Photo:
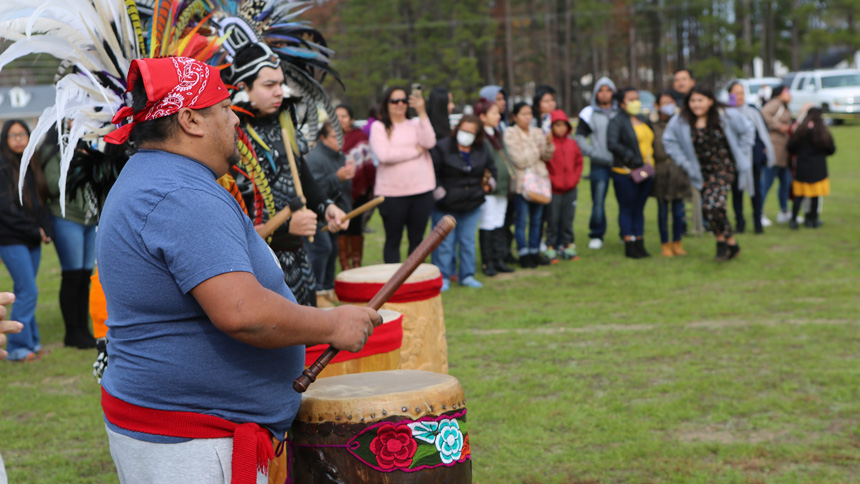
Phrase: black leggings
(411, 212)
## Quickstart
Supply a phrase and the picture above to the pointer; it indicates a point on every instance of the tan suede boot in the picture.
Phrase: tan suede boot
(666, 250)
(677, 249)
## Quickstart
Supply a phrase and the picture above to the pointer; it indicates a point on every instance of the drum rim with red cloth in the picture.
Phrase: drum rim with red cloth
(386, 337)
(423, 284)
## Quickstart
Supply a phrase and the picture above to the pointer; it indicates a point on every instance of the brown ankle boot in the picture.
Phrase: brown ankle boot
(357, 250)
(666, 250)
(344, 251)
(677, 249)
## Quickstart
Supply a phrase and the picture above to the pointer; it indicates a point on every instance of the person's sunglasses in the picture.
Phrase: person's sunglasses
(402, 100)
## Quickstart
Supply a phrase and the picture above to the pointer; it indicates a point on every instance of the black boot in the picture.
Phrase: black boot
(734, 250)
(485, 242)
(498, 246)
(69, 306)
(84, 338)
(630, 250)
(528, 261)
(722, 251)
(640, 247)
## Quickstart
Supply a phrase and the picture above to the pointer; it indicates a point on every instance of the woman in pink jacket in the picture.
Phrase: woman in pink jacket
(405, 176)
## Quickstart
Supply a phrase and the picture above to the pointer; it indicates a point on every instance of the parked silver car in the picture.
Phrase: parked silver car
(835, 91)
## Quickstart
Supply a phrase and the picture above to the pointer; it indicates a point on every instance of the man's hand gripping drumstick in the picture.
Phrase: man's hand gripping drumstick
(360, 210)
(440, 231)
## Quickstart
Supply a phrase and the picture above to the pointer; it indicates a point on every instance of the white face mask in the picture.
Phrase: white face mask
(464, 138)
(668, 109)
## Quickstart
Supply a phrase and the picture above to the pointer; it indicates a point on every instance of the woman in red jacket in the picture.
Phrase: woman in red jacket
(565, 170)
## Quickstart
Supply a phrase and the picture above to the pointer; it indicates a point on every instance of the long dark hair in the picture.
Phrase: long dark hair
(821, 137)
(481, 108)
(713, 113)
(437, 111)
(383, 108)
(479, 136)
(540, 92)
(14, 161)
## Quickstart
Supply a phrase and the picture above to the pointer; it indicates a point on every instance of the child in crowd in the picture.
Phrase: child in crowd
(811, 144)
(565, 170)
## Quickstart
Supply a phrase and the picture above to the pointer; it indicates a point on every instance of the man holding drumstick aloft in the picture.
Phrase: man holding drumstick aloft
(205, 336)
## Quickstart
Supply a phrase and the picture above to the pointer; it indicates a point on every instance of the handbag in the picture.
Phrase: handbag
(536, 188)
(642, 173)
(485, 181)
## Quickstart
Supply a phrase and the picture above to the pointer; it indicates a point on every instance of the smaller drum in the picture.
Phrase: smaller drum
(419, 299)
(380, 353)
(384, 427)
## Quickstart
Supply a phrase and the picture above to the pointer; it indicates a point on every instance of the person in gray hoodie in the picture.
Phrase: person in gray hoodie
(591, 138)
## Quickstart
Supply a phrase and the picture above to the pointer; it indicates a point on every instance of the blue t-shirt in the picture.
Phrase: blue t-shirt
(167, 226)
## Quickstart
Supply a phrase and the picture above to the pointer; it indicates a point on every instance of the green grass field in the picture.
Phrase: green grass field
(603, 370)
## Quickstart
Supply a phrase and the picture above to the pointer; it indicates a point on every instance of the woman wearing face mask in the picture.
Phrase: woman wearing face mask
(23, 228)
(631, 141)
(714, 146)
(528, 149)
(671, 183)
(459, 161)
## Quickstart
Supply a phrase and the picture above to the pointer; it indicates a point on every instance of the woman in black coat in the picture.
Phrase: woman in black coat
(811, 144)
(23, 228)
(631, 141)
(460, 161)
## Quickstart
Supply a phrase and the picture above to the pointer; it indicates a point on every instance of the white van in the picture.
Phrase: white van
(835, 91)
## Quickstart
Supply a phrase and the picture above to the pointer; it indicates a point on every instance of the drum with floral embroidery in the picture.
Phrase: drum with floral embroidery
(382, 427)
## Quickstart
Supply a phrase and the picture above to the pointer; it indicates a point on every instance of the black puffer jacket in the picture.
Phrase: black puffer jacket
(461, 180)
(623, 143)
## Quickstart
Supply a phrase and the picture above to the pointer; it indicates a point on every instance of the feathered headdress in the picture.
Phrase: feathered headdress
(304, 56)
(96, 40)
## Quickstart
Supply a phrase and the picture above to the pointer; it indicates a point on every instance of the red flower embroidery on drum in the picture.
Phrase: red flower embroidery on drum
(393, 446)
(467, 450)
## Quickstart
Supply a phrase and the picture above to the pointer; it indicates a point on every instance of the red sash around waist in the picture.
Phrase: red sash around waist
(385, 338)
(408, 292)
(252, 444)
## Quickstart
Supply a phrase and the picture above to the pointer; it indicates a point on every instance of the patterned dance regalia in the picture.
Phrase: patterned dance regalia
(265, 135)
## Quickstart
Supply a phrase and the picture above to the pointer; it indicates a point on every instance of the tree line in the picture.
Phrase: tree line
(465, 44)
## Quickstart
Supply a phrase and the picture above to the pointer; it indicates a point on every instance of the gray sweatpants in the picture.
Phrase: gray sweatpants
(560, 214)
(198, 461)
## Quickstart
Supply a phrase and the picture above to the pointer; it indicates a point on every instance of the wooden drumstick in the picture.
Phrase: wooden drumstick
(360, 210)
(437, 235)
(294, 170)
(273, 223)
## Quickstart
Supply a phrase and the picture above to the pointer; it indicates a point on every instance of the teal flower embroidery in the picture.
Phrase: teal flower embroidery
(449, 441)
(425, 430)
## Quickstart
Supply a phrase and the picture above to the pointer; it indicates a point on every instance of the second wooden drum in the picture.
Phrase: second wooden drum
(419, 300)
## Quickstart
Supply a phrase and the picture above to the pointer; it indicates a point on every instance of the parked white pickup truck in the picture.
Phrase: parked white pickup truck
(835, 91)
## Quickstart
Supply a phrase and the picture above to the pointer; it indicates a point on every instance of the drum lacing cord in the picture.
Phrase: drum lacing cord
(288, 444)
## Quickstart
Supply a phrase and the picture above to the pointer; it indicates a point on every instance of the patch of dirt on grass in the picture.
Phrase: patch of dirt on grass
(713, 434)
(512, 276)
(61, 385)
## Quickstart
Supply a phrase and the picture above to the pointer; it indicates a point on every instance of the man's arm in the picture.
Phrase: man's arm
(239, 306)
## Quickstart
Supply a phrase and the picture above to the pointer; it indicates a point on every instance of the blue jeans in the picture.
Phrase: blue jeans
(322, 254)
(784, 175)
(23, 265)
(75, 244)
(631, 198)
(599, 178)
(463, 238)
(527, 214)
(677, 219)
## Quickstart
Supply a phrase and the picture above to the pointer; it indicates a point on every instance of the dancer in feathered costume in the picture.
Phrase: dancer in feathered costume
(277, 65)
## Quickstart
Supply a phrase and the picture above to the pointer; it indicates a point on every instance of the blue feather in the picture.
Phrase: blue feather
(302, 53)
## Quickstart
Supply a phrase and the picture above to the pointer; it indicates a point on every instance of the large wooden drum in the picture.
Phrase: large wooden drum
(386, 427)
(419, 300)
(380, 353)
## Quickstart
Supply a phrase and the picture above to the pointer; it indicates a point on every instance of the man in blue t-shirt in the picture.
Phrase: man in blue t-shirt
(205, 336)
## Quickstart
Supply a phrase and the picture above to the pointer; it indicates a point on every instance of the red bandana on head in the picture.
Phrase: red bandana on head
(171, 83)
